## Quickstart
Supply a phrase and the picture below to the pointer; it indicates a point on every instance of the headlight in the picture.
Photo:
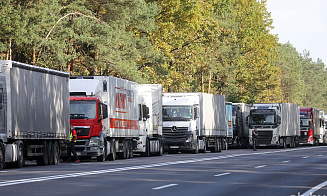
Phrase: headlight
(190, 138)
(94, 142)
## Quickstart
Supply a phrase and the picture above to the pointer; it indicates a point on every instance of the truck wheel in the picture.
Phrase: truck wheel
(284, 143)
(196, 150)
(132, 149)
(56, 153)
(51, 153)
(2, 156)
(44, 159)
(128, 149)
(102, 158)
(20, 155)
(147, 149)
(219, 145)
(160, 149)
(112, 155)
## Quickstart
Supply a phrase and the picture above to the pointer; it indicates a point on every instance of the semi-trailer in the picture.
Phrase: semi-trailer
(193, 122)
(229, 125)
(34, 112)
(277, 124)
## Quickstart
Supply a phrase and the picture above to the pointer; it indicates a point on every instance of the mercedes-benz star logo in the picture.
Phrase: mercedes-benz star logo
(173, 129)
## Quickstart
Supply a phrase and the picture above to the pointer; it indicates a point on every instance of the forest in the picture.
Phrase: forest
(213, 46)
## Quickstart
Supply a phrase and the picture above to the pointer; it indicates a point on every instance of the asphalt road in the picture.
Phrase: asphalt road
(233, 172)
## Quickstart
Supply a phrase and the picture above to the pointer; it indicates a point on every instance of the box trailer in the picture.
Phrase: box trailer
(278, 124)
(309, 125)
(193, 122)
(34, 112)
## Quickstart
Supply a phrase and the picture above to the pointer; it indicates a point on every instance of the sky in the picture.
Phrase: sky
(303, 23)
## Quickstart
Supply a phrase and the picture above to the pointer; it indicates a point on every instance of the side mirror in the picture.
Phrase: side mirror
(105, 111)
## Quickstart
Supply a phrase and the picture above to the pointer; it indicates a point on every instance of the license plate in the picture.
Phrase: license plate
(174, 146)
(262, 145)
(305, 133)
(78, 153)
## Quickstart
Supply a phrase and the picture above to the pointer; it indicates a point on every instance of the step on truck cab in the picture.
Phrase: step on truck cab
(193, 122)
(105, 113)
(277, 124)
(34, 114)
(150, 106)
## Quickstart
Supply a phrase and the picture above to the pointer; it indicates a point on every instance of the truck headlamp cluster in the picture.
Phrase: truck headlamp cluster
(94, 142)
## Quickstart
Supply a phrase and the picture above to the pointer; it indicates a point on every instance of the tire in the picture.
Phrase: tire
(51, 153)
(112, 155)
(2, 155)
(196, 150)
(56, 153)
(44, 159)
(128, 149)
(147, 149)
(215, 148)
(20, 155)
(160, 149)
(219, 145)
(102, 158)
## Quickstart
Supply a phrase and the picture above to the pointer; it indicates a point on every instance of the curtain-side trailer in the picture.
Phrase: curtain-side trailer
(34, 112)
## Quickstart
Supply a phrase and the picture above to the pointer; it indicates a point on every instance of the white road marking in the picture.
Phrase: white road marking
(261, 166)
(223, 174)
(286, 161)
(305, 157)
(320, 155)
(165, 186)
(314, 189)
(105, 171)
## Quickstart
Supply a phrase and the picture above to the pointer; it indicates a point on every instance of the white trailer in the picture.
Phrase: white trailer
(150, 104)
(34, 113)
(112, 126)
(193, 122)
(278, 124)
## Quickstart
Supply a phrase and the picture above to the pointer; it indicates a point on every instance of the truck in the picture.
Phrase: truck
(277, 124)
(309, 124)
(193, 122)
(240, 129)
(229, 126)
(150, 140)
(34, 112)
(321, 132)
(104, 111)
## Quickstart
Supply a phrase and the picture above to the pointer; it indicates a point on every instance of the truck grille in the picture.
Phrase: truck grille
(175, 134)
(80, 131)
(304, 136)
(264, 137)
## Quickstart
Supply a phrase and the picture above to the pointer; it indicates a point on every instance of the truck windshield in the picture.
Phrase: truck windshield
(305, 122)
(177, 113)
(82, 109)
(262, 119)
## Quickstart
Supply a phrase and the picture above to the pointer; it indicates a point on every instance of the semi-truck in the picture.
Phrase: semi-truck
(229, 125)
(240, 129)
(277, 124)
(34, 112)
(321, 131)
(309, 123)
(150, 135)
(193, 122)
(104, 111)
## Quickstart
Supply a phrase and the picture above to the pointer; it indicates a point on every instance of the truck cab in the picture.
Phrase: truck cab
(87, 114)
(266, 120)
(180, 122)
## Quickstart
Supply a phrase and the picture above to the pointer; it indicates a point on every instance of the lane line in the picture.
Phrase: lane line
(223, 174)
(261, 166)
(106, 171)
(314, 189)
(165, 186)
(305, 157)
(286, 161)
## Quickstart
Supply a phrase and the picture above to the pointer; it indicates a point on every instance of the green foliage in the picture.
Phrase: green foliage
(214, 46)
